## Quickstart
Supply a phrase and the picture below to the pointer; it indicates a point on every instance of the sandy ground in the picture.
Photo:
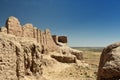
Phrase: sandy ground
(83, 70)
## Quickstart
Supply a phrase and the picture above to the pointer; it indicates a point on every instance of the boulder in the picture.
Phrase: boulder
(109, 66)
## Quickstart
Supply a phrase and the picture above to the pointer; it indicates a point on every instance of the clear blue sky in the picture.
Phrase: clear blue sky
(85, 22)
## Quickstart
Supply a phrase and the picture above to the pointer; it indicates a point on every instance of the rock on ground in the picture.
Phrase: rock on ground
(109, 66)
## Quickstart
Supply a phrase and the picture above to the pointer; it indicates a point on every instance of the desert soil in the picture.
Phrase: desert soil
(83, 70)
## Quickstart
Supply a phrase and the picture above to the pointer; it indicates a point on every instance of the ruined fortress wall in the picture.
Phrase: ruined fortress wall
(49, 40)
(13, 26)
(62, 39)
(59, 39)
(19, 58)
(7, 62)
(28, 30)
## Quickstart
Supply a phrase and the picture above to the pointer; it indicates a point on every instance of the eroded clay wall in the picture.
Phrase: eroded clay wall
(28, 30)
(7, 60)
(44, 38)
(13, 26)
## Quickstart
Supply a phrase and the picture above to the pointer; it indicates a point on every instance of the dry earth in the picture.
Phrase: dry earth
(83, 70)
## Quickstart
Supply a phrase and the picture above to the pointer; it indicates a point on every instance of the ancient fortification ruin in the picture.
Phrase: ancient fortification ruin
(22, 49)
(28, 30)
